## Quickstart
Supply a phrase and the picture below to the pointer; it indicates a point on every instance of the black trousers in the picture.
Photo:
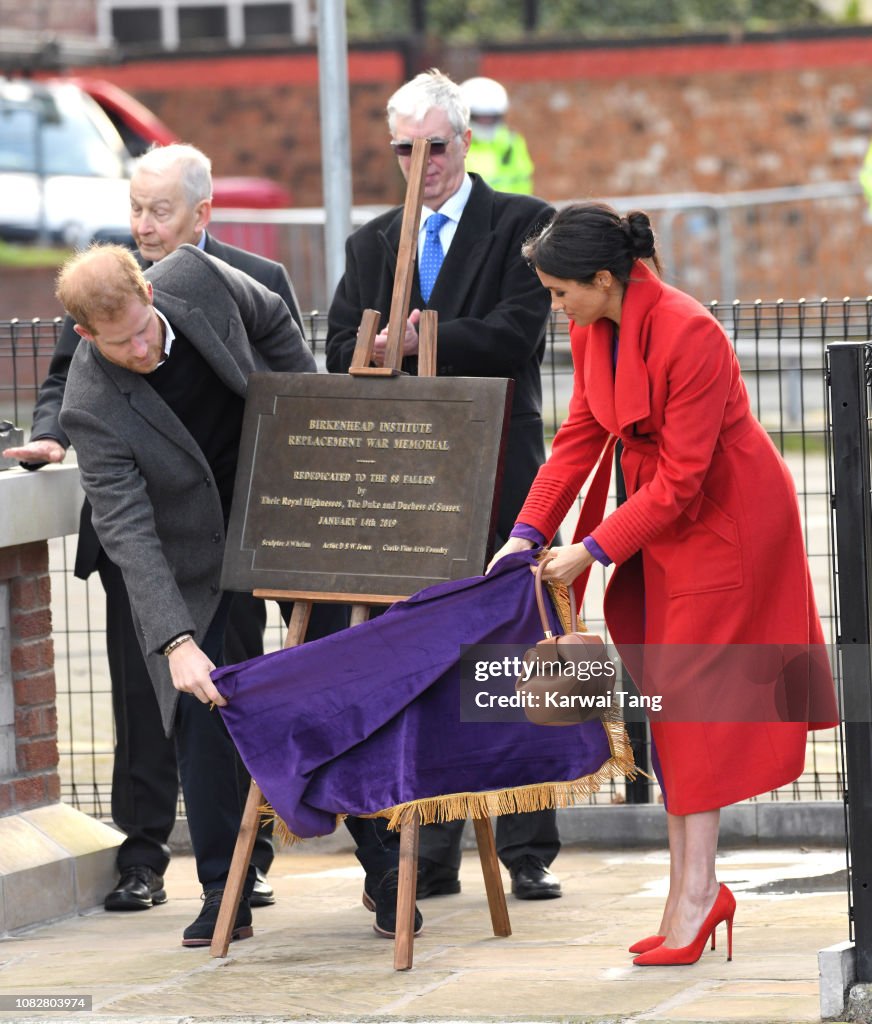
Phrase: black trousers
(378, 848)
(209, 773)
(145, 776)
(533, 833)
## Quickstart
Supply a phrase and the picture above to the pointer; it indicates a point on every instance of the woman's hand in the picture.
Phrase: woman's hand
(512, 546)
(567, 562)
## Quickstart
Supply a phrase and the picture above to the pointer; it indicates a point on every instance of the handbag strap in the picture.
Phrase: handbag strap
(540, 601)
(593, 509)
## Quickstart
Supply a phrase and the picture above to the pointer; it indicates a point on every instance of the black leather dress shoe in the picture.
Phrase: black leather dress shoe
(435, 879)
(531, 880)
(262, 894)
(199, 932)
(138, 889)
(381, 897)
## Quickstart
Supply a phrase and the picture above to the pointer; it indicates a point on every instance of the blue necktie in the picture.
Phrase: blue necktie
(431, 254)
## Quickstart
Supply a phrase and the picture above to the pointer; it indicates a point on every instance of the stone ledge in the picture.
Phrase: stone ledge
(54, 862)
(39, 505)
(838, 968)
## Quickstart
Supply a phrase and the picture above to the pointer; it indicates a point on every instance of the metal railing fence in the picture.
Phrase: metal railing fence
(803, 240)
(781, 347)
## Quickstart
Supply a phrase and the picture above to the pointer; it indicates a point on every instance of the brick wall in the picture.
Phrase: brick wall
(28, 719)
(55, 17)
(27, 292)
(694, 117)
(260, 116)
(607, 120)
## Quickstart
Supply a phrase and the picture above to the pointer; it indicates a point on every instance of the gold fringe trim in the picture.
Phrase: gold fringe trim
(536, 797)
(559, 593)
(280, 828)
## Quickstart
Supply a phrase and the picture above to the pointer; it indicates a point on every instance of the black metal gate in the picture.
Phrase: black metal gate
(850, 376)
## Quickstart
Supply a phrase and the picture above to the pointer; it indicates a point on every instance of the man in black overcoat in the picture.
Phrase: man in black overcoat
(492, 317)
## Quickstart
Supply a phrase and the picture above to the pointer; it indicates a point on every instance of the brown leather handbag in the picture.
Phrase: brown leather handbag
(567, 679)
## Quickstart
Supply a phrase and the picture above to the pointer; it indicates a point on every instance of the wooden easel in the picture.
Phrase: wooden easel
(360, 610)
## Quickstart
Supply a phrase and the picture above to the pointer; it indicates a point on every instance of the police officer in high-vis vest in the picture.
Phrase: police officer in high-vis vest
(496, 152)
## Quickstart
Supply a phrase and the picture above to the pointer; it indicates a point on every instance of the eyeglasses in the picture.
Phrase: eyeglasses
(437, 147)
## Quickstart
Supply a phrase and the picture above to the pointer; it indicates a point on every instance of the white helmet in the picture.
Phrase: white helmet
(485, 96)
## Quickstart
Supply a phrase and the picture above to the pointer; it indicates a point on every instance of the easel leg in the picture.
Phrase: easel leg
(493, 882)
(300, 615)
(404, 940)
(238, 869)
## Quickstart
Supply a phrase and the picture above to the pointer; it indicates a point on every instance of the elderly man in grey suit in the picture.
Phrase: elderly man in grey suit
(153, 406)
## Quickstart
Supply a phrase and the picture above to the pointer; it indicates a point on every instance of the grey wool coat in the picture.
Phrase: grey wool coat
(155, 507)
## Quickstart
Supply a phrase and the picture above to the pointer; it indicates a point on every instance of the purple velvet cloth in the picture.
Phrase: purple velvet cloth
(370, 717)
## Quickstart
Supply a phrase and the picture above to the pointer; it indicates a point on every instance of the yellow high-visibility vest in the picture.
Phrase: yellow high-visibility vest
(503, 161)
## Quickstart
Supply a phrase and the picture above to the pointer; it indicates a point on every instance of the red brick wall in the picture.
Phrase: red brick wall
(77, 17)
(599, 120)
(609, 120)
(28, 292)
(260, 116)
(718, 117)
(36, 780)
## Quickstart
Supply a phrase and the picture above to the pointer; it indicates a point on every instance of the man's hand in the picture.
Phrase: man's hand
(410, 339)
(511, 547)
(190, 670)
(44, 450)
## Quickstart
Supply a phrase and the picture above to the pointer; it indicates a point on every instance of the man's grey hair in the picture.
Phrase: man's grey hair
(196, 168)
(431, 89)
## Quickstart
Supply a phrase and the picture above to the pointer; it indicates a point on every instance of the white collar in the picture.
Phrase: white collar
(453, 206)
(169, 336)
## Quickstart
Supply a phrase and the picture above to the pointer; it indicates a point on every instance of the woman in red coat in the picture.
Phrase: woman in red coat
(708, 546)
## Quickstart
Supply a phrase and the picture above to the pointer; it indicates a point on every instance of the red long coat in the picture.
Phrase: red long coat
(708, 545)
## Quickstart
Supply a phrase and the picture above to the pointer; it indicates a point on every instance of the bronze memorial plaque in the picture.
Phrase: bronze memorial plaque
(365, 485)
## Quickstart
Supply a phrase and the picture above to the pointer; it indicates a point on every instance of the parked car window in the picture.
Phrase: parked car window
(19, 139)
(74, 142)
(63, 167)
(56, 132)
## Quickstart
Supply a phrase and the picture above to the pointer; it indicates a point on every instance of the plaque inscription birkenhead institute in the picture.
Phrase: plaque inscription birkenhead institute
(365, 486)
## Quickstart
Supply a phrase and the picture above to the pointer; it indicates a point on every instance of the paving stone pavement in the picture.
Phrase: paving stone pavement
(314, 956)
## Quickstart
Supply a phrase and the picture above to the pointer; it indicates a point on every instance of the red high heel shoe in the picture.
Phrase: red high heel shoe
(723, 910)
(652, 942)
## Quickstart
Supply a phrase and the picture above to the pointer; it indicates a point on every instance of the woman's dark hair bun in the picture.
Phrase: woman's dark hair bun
(637, 227)
(583, 238)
